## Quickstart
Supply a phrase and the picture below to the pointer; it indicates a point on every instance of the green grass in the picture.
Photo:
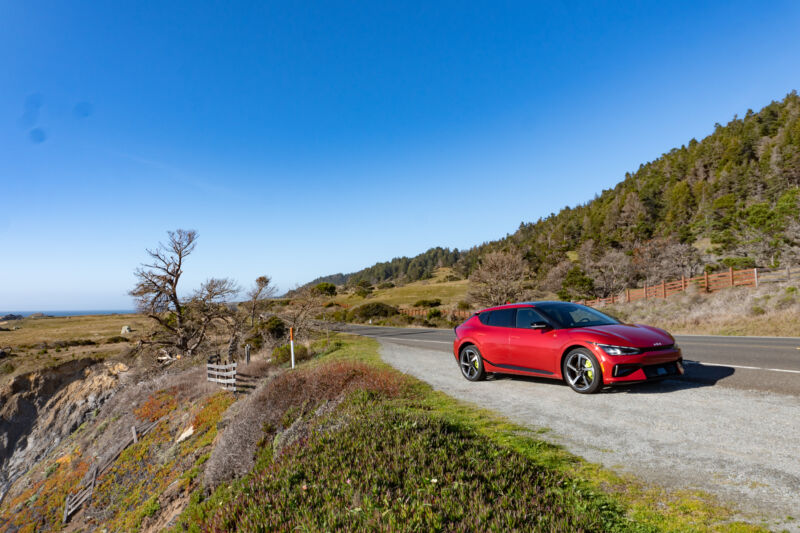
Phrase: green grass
(377, 472)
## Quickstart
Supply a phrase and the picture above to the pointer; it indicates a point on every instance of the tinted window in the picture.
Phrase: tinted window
(575, 316)
(484, 317)
(503, 318)
(527, 316)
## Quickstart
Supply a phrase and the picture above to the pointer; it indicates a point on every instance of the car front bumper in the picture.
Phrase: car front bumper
(648, 366)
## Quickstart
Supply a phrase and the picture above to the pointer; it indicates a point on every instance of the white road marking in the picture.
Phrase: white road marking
(744, 367)
(411, 340)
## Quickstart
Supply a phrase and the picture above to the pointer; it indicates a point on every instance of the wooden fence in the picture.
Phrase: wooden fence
(423, 312)
(74, 501)
(750, 277)
(225, 375)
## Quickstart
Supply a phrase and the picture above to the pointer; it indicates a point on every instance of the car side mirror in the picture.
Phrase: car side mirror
(540, 325)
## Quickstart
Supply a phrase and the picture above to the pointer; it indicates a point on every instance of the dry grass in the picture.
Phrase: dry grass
(93, 327)
(449, 292)
(771, 310)
(44, 342)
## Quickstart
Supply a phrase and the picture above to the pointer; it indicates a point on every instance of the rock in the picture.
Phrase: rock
(185, 435)
(10, 317)
(5, 352)
(125, 329)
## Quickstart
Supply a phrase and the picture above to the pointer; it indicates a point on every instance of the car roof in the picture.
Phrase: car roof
(525, 304)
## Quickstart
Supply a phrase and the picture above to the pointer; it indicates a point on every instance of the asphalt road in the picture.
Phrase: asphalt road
(770, 364)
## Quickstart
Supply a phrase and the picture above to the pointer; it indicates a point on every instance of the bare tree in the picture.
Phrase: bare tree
(611, 271)
(262, 290)
(182, 324)
(303, 308)
(554, 278)
(498, 279)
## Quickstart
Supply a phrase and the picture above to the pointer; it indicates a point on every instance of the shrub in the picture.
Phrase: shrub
(274, 327)
(6, 368)
(434, 313)
(791, 290)
(374, 310)
(452, 277)
(116, 338)
(739, 263)
(363, 291)
(757, 310)
(464, 306)
(328, 289)
(428, 303)
(283, 354)
(386, 285)
(255, 419)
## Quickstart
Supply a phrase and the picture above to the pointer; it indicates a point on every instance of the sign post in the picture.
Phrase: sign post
(291, 344)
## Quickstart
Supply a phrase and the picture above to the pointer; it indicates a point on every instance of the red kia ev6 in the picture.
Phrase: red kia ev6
(562, 340)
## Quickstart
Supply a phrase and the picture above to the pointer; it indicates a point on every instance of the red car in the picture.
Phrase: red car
(561, 340)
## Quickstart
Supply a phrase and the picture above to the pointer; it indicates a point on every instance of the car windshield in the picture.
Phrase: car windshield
(569, 315)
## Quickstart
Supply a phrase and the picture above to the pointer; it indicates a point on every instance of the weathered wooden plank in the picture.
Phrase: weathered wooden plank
(223, 380)
(221, 367)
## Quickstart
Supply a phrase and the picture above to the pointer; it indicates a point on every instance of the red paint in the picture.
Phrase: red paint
(539, 352)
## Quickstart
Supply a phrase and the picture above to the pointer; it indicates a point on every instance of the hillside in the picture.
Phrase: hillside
(730, 199)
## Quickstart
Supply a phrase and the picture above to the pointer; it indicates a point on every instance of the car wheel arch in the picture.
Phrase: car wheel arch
(566, 351)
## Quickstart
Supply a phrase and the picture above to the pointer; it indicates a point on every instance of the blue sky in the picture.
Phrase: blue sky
(301, 139)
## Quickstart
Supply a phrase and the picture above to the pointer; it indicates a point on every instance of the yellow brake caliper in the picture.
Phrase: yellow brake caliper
(589, 371)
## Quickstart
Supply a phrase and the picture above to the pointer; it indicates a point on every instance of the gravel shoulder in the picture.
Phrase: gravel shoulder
(743, 446)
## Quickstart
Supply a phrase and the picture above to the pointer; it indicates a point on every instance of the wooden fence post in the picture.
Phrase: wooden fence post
(755, 276)
(627, 296)
(645, 290)
(135, 438)
(708, 289)
(664, 288)
(683, 282)
(730, 271)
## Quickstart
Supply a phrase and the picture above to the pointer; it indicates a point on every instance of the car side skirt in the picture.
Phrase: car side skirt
(519, 368)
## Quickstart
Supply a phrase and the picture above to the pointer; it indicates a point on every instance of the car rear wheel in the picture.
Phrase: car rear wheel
(471, 363)
(582, 371)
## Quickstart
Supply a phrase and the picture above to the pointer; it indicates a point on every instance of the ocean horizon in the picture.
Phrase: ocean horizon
(72, 312)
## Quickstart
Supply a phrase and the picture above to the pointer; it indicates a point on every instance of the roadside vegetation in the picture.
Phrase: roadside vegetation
(342, 442)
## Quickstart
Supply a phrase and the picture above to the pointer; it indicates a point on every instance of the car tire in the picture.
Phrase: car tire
(582, 372)
(470, 362)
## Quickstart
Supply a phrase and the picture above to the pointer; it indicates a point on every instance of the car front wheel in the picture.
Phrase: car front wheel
(582, 371)
(471, 363)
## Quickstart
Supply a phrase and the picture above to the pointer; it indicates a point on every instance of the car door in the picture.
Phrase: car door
(531, 349)
(495, 345)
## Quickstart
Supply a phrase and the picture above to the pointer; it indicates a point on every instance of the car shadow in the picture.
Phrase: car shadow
(696, 375)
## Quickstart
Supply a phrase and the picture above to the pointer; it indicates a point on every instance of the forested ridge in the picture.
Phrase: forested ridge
(730, 199)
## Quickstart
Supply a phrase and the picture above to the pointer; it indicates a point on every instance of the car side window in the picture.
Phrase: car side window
(502, 318)
(527, 316)
(484, 317)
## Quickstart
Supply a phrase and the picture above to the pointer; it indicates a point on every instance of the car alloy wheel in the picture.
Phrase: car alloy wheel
(471, 363)
(582, 371)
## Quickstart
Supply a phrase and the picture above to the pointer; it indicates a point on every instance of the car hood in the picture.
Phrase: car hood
(635, 335)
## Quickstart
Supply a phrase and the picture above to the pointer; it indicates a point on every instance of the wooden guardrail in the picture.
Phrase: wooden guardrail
(225, 375)
(750, 277)
(423, 312)
(74, 501)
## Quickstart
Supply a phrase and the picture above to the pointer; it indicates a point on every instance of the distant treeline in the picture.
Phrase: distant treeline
(737, 188)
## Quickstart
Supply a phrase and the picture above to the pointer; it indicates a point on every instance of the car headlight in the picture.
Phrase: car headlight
(618, 350)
